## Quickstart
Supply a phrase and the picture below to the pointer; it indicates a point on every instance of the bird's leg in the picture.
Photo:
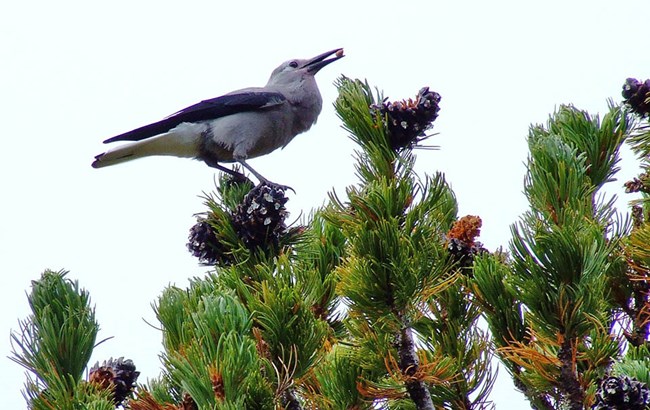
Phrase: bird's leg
(262, 179)
(237, 175)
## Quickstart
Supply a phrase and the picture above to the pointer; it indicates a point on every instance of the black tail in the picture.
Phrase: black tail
(147, 131)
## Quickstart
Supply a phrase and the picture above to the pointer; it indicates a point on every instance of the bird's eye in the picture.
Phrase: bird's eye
(293, 64)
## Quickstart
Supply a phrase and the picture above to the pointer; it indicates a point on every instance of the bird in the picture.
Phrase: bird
(234, 127)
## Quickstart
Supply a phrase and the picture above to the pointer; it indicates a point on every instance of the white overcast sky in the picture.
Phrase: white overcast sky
(73, 73)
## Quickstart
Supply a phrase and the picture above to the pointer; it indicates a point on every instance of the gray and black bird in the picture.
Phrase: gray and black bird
(243, 124)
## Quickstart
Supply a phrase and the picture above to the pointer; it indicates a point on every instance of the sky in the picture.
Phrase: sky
(73, 73)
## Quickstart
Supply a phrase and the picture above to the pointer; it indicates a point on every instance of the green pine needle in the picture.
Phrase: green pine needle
(56, 341)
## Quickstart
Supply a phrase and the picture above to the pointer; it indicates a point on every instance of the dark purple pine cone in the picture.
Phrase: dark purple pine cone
(634, 185)
(408, 120)
(639, 184)
(203, 244)
(461, 240)
(118, 375)
(621, 393)
(259, 219)
(462, 253)
(125, 379)
(636, 95)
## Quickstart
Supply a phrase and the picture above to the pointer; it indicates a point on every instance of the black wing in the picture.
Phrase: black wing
(203, 111)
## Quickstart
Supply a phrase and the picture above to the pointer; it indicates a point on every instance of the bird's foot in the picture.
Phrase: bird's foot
(264, 180)
(276, 186)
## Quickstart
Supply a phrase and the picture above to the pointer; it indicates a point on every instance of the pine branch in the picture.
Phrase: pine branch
(568, 375)
(409, 365)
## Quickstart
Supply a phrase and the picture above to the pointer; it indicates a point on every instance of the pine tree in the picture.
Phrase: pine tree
(55, 343)
(568, 309)
(376, 299)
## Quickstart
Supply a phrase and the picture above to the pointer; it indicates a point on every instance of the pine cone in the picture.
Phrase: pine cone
(407, 120)
(640, 184)
(636, 95)
(101, 376)
(188, 403)
(203, 244)
(118, 375)
(464, 254)
(461, 240)
(259, 219)
(634, 185)
(258, 222)
(621, 393)
(125, 379)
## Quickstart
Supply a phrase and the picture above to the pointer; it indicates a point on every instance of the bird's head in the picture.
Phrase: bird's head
(297, 69)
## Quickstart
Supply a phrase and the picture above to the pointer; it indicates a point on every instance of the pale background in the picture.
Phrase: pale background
(73, 73)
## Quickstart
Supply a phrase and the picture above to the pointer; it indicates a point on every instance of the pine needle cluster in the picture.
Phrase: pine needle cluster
(554, 306)
(54, 345)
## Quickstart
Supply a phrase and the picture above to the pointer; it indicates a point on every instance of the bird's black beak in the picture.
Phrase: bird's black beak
(315, 64)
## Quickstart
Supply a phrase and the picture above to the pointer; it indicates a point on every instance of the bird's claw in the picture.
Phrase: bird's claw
(277, 186)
